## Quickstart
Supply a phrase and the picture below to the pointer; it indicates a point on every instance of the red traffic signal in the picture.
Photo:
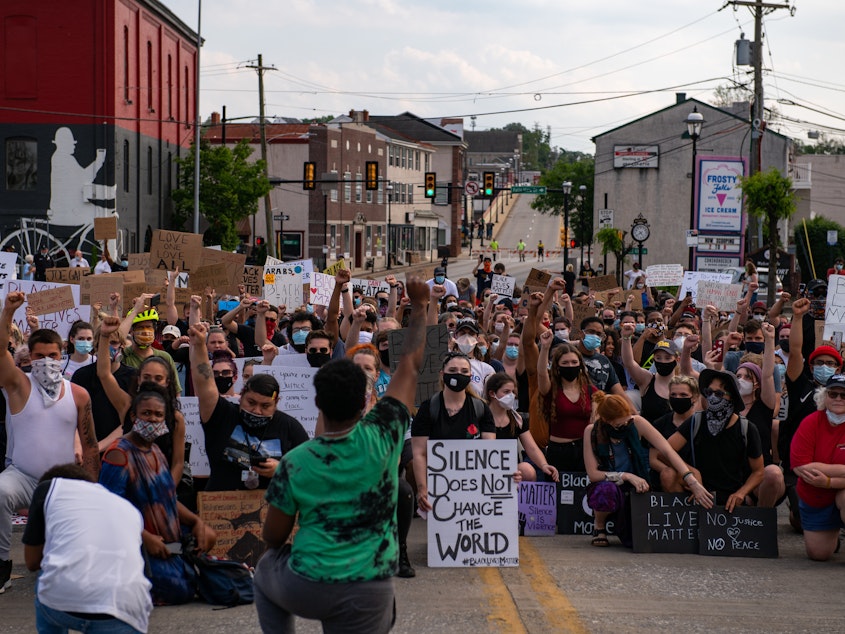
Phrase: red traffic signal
(259, 242)
(573, 243)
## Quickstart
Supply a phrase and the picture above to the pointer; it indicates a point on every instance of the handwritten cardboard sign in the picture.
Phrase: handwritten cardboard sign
(172, 249)
(474, 499)
(537, 281)
(296, 393)
(321, 289)
(579, 313)
(664, 275)
(283, 285)
(503, 285)
(603, 283)
(537, 508)
(214, 276)
(332, 270)
(66, 275)
(722, 296)
(51, 300)
(436, 346)
(747, 532)
(61, 320)
(237, 518)
(637, 301)
(233, 263)
(369, 288)
(253, 281)
(138, 261)
(8, 268)
(105, 228)
(664, 523)
(691, 279)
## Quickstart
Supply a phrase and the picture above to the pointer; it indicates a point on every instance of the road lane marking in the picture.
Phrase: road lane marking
(503, 615)
(559, 612)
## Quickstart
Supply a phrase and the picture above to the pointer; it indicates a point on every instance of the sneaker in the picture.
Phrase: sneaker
(406, 571)
(6, 574)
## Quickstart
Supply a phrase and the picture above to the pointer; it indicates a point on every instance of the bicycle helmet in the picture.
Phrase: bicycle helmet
(151, 314)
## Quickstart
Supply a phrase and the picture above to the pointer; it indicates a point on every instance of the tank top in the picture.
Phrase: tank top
(653, 405)
(41, 437)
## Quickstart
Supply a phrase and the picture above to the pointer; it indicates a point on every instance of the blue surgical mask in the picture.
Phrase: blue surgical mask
(512, 352)
(821, 373)
(639, 329)
(616, 324)
(591, 342)
(124, 263)
(482, 350)
(755, 347)
(781, 370)
(439, 279)
(309, 308)
(83, 347)
(299, 337)
(356, 302)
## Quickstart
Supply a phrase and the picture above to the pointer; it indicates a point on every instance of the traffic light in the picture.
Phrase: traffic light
(573, 243)
(309, 175)
(430, 184)
(372, 175)
(259, 242)
(563, 237)
(489, 183)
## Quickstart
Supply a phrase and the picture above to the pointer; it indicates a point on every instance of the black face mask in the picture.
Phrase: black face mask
(254, 421)
(456, 382)
(384, 355)
(665, 369)
(608, 322)
(784, 345)
(680, 404)
(619, 432)
(317, 359)
(569, 373)
(223, 383)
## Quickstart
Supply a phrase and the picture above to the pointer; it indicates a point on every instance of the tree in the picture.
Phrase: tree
(812, 250)
(726, 95)
(770, 198)
(613, 241)
(825, 145)
(230, 187)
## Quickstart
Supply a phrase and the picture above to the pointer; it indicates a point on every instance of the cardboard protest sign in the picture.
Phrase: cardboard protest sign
(131, 290)
(503, 285)
(691, 279)
(60, 320)
(537, 508)
(603, 283)
(722, 296)
(334, 268)
(473, 522)
(253, 280)
(98, 288)
(172, 249)
(664, 275)
(237, 518)
(537, 281)
(189, 406)
(579, 313)
(282, 286)
(615, 294)
(664, 523)
(834, 310)
(105, 228)
(51, 300)
(215, 276)
(66, 275)
(296, 392)
(138, 261)
(637, 294)
(746, 532)
(574, 515)
(321, 289)
(233, 263)
(436, 346)
(8, 268)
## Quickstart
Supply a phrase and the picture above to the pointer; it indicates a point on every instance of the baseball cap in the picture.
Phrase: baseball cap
(171, 330)
(667, 345)
(826, 350)
(467, 323)
(759, 306)
(837, 380)
(439, 271)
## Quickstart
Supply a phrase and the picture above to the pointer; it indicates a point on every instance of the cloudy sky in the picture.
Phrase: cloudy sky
(578, 68)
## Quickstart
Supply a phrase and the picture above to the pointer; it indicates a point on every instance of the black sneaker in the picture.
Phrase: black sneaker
(406, 571)
(6, 574)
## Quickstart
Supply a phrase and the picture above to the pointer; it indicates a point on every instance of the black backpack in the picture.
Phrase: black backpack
(434, 406)
(696, 425)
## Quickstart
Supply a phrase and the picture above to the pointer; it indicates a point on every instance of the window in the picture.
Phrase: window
(427, 162)
(21, 164)
(187, 100)
(369, 196)
(332, 236)
(404, 156)
(150, 76)
(390, 155)
(380, 193)
(346, 229)
(170, 88)
(333, 195)
(402, 189)
(347, 187)
(369, 239)
(417, 157)
(126, 166)
(126, 64)
(410, 193)
(359, 187)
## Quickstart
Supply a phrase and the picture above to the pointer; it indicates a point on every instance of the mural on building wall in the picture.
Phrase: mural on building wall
(74, 196)
(21, 164)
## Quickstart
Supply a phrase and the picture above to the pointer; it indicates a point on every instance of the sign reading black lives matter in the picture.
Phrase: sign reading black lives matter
(664, 523)
(473, 521)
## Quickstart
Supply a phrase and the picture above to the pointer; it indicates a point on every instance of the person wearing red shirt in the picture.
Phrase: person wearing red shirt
(838, 268)
(818, 459)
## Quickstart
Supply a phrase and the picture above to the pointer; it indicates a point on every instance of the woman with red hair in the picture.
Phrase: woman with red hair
(617, 464)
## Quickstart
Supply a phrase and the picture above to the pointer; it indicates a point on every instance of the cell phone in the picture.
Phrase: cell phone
(720, 347)
(155, 299)
(256, 460)
(689, 293)
(174, 548)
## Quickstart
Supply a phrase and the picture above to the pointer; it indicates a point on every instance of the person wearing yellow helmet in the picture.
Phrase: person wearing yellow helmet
(141, 323)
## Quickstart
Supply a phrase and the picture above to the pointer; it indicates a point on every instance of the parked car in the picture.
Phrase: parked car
(738, 277)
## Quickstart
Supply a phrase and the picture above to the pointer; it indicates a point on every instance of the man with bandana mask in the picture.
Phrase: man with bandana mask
(44, 413)
(141, 324)
(244, 441)
(726, 450)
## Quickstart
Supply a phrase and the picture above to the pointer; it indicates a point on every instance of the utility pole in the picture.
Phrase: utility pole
(268, 206)
(758, 126)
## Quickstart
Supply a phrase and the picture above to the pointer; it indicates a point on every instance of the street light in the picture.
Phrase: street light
(389, 189)
(694, 121)
(582, 193)
(567, 187)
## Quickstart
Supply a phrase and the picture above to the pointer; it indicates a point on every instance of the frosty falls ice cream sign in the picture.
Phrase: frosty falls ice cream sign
(719, 195)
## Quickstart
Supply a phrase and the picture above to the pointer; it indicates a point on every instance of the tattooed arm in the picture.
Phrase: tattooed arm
(204, 385)
(85, 429)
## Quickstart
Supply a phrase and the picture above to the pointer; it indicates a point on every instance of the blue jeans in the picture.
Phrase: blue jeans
(50, 621)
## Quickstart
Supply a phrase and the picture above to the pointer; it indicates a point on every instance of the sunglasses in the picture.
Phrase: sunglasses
(836, 395)
(719, 393)
(226, 374)
(318, 350)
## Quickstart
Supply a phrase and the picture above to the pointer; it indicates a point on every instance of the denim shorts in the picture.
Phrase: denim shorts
(826, 518)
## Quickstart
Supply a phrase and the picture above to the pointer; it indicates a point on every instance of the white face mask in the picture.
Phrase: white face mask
(466, 344)
(499, 327)
(508, 401)
(562, 334)
(48, 376)
(746, 387)
(365, 337)
(835, 419)
(679, 342)
(758, 317)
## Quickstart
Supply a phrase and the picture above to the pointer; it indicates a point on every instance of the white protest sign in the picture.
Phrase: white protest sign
(60, 321)
(722, 296)
(239, 362)
(691, 279)
(474, 516)
(834, 310)
(503, 285)
(298, 360)
(296, 393)
(190, 408)
(283, 285)
(369, 288)
(322, 287)
(8, 268)
(306, 267)
(664, 275)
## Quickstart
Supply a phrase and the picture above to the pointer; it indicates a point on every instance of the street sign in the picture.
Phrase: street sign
(832, 237)
(471, 188)
(605, 218)
(283, 217)
(528, 189)
(637, 250)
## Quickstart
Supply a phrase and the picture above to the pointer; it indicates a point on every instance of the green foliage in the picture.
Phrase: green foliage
(612, 241)
(825, 145)
(726, 95)
(822, 254)
(230, 187)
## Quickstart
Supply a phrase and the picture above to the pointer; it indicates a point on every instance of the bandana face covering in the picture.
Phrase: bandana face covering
(48, 377)
(254, 421)
(719, 412)
(149, 431)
